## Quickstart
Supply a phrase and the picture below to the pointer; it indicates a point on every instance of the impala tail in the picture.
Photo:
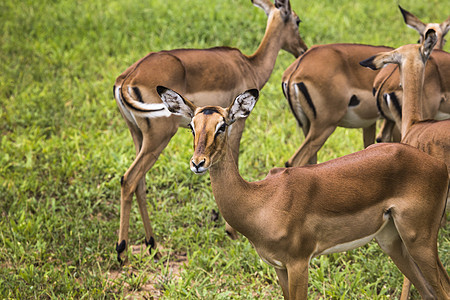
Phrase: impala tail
(131, 103)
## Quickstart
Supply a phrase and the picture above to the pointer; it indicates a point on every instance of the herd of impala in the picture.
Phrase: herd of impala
(300, 212)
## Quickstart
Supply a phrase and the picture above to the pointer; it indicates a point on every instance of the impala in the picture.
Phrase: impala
(430, 136)
(437, 82)
(295, 214)
(209, 76)
(326, 88)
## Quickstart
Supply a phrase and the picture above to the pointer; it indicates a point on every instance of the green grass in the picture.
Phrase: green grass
(64, 147)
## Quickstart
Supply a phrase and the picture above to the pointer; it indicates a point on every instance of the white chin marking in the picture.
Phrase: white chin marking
(201, 171)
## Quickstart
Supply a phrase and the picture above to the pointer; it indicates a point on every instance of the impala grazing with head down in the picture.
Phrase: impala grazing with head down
(430, 136)
(326, 88)
(210, 76)
(436, 84)
(295, 214)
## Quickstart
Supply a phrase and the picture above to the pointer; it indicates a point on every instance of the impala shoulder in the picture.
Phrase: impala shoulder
(392, 151)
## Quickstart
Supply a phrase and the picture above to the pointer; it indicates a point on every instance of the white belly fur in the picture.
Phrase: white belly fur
(352, 120)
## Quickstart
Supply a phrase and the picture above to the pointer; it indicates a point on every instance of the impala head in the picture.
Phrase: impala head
(209, 124)
(281, 13)
(416, 24)
(405, 55)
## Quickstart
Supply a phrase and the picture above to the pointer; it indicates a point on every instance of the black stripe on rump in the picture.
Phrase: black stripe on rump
(138, 94)
(397, 105)
(304, 90)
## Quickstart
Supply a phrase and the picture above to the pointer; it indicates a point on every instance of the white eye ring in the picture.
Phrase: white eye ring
(191, 127)
(221, 127)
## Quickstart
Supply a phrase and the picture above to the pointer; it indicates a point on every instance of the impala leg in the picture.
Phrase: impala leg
(298, 280)
(314, 140)
(422, 246)
(369, 134)
(396, 134)
(141, 194)
(406, 287)
(391, 243)
(141, 200)
(155, 139)
(305, 128)
(385, 135)
(415, 254)
(283, 280)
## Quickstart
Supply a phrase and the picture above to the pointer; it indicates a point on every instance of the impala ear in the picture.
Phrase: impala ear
(378, 61)
(412, 21)
(428, 44)
(242, 105)
(265, 5)
(445, 26)
(285, 8)
(368, 63)
(175, 103)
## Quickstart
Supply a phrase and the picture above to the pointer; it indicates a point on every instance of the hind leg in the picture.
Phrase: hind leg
(283, 280)
(155, 139)
(314, 140)
(416, 257)
(421, 242)
(369, 134)
(391, 243)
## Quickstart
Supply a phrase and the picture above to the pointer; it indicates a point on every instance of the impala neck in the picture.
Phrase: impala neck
(412, 83)
(231, 192)
(264, 58)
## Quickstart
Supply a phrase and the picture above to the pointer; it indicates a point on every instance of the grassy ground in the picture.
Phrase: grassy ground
(64, 147)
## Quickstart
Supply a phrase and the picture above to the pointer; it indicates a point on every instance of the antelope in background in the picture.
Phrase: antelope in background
(295, 214)
(436, 84)
(326, 88)
(210, 76)
(430, 136)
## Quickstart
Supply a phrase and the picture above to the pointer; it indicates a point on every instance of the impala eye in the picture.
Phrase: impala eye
(221, 129)
(298, 21)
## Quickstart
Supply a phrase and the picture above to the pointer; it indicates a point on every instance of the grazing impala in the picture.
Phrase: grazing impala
(430, 136)
(295, 214)
(436, 88)
(210, 76)
(326, 88)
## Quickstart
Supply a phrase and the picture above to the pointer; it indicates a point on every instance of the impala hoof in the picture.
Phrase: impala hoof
(232, 235)
(120, 248)
(287, 164)
(151, 244)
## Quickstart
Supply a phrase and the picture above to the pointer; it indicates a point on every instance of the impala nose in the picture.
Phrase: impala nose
(198, 168)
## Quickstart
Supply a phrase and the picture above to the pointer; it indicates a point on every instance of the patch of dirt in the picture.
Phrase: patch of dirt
(152, 288)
